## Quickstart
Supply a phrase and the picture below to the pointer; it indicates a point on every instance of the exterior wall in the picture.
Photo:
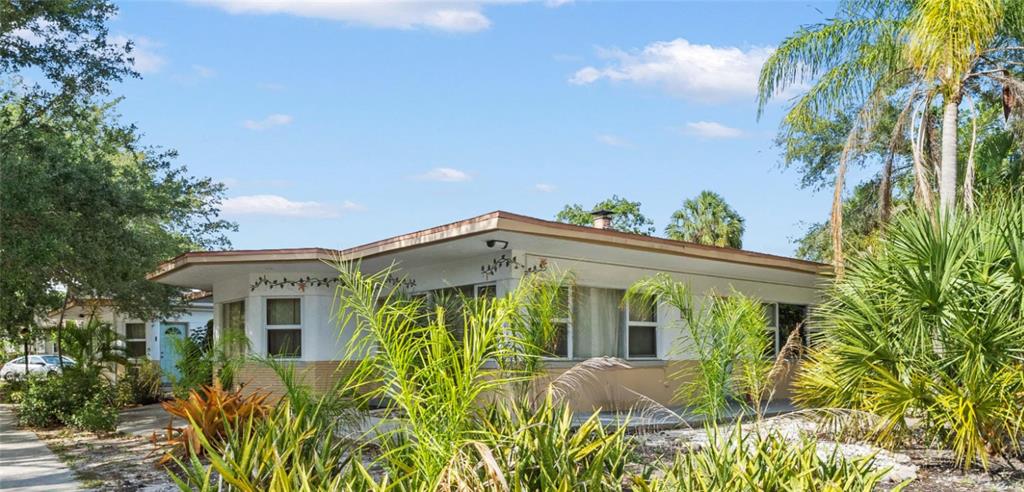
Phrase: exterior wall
(196, 316)
(321, 339)
(324, 342)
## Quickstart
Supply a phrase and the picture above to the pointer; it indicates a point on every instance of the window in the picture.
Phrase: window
(284, 327)
(135, 339)
(560, 345)
(771, 318)
(782, 320)
(234, 323)
(792, 317)
(642, 329)
(486, 291)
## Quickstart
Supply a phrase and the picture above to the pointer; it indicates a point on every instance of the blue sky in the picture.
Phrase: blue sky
(339, 124)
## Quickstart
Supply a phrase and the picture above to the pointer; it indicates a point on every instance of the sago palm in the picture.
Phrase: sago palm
(708, 220)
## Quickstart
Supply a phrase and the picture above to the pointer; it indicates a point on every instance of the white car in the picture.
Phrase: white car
(44, 364)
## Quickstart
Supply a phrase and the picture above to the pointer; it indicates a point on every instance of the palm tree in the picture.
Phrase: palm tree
(907, 51)
(707, 220)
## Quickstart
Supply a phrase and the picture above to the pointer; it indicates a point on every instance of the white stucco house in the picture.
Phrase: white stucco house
(149, 339)
(282, 298)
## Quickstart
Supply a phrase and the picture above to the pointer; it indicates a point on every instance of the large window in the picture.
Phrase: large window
(642, 329)
(135, 339)
(782, 320)
(234, 323)
(284, 327)
(560, 345)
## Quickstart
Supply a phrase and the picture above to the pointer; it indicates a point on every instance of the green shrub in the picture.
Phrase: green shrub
(140, 384)
(96, 415)
(73, 399)
(12, 391)
(762, 460)
(927, 334)
(201, 358)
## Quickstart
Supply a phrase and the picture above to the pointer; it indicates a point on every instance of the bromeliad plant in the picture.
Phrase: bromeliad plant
(211, 413)
(929, 328)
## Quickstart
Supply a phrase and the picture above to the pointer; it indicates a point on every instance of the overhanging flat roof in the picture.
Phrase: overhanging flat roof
(494, 221)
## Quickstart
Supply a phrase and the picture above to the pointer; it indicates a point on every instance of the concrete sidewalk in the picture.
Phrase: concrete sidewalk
(26, 464)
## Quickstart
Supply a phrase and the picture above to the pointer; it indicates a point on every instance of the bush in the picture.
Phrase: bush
(140, 384)
(72, 399)
(210, 413)
(12, 391)
(96, 415)
(927, 333)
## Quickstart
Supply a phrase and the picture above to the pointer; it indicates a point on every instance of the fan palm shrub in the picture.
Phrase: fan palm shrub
(929, 328)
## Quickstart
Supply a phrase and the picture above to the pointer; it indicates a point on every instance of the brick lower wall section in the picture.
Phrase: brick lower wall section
(320, 375)
(611, 389)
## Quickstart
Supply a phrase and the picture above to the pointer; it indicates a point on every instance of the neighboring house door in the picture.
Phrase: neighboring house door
(168, 354)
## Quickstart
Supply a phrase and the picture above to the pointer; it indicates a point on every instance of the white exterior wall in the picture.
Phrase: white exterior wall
(196, 316)
(323, 340)
(320, 334)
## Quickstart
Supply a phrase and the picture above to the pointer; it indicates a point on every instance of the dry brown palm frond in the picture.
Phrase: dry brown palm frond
(790, 352)
(648, 409)
(577, 376)
(461, 473)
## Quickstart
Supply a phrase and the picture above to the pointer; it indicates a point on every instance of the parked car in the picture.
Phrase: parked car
(44, 364)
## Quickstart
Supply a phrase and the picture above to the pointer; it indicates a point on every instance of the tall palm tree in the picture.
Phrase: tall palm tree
(707, 219)
(907, 51)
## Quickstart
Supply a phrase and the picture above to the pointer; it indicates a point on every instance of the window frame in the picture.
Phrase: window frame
(478, 287)
(144, 340)
(646, 324)
(568, 322)
(267, 327)
(773, 328)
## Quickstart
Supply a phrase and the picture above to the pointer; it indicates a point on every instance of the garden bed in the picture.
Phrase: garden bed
(114, 462)
(928, 470)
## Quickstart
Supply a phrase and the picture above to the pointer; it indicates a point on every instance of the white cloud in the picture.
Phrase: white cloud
(544, 187)
(203, 72)
(711, 129)
(450, 16)
(279, 206)
(351, 206)
(445, 174)
(268, 122)
(145, 58)
(692, 71)
(613, 140)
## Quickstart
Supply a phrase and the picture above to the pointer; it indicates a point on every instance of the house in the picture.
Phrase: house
(282, 298)
(150, 339)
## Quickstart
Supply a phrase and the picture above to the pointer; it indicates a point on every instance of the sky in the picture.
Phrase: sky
(337, 124)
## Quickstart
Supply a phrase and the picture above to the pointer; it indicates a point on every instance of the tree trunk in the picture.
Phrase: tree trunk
(837, 218)
(885, 190)
(60, 329)
(947, 177)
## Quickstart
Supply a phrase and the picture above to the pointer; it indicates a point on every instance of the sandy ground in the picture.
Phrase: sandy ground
(115, 462)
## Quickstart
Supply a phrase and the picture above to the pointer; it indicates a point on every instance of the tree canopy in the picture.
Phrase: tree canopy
(707, 219)
(889, 78)
(85, 208)
(627, 218)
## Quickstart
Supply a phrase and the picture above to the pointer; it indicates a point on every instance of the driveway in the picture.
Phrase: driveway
(26, 464)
